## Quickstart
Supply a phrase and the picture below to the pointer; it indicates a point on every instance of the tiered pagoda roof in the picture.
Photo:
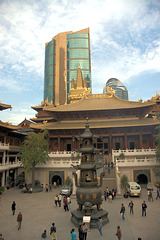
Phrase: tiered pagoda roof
(101, 109)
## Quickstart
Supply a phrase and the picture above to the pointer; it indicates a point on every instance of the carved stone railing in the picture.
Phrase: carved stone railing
(56, 160)
(134, 152)
(137, 162)
(4, 146)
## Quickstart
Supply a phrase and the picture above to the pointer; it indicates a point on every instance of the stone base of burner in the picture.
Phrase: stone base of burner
(77, 217)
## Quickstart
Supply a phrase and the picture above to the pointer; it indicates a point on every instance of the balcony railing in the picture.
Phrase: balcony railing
(134, 151)
(56, 160)
(4, 146)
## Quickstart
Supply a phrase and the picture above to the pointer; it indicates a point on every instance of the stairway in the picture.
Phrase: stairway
(110, 179)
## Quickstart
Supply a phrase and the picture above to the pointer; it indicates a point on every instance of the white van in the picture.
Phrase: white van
(134, 189)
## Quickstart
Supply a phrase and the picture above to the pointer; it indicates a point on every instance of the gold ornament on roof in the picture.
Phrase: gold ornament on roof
(154, 118)
(45, 103)
(8, 123)
(110, 91)
(140, 100)
(44, 122)
(157, 97)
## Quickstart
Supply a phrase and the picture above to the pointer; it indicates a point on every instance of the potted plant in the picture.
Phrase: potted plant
(122, 156)
(125, 185)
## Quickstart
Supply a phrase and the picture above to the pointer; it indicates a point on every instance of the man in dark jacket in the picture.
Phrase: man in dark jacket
(19, 220)
(81, 233)
(122, 211)
(144, 206)
(53, 232)
(13, 207)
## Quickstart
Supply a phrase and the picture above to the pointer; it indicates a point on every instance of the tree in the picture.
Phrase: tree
(68, 182)
(122, 156)
(34, 151)
(158, 144)
(124, 184)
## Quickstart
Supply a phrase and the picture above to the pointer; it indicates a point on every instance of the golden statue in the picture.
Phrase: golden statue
(110, 91)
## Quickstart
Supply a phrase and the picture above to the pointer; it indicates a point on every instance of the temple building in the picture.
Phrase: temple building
(121, 124)
(63, 55)
(10, 143)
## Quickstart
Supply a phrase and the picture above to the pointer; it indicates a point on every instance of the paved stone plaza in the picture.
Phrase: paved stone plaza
(39, 212)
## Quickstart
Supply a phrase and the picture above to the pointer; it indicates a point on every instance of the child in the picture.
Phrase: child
(44, 234)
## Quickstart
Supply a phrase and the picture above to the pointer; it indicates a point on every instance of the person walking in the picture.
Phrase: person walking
(19, 220)
(13, 207)
(56, 200)
(73, 234)
(65, 202)
(122, 211)
(118, 233)
(100, 226)
(53, 232)
(81, 234)
(110, 197)
(144, 206)
(131, 204)
(157, 193)
(69, 201)
(85, 230)
(105, 195)
(59, 199)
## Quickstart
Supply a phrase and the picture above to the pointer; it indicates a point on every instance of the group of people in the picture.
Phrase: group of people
(19, 216)
(110, 194)
(26, 188)
(109, 166)
(83, 229)
(130, 205)
(66, 201)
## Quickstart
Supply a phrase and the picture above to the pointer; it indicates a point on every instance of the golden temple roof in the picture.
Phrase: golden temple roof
(4, 106)
(98, 102)
(101, 123)
(9, 125)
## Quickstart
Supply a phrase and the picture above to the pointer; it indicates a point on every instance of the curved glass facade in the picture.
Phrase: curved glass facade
(121, 90)
(78, 54)
(49, 71)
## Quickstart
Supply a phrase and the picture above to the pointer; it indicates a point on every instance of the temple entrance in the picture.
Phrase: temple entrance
(142, 179)
(57, 179)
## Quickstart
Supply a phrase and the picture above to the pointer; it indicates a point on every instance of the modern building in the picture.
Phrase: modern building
(64, 54)
(121, 90)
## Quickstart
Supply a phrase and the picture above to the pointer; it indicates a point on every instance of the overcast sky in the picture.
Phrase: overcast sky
(125, 44)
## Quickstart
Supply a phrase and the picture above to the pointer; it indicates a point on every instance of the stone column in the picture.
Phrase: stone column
(59, 143)
(110, 144)
(3, 178)
(4, 158)
(140, 141)
(125, 141)
(74, 186)
(118, 181)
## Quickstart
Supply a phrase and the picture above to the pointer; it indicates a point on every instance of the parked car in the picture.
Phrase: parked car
(66, 190)
(134, 189)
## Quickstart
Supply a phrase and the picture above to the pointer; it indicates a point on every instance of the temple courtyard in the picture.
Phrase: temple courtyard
(39, 212)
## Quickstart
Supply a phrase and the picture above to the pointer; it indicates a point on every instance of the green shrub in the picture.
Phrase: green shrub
(2, 188)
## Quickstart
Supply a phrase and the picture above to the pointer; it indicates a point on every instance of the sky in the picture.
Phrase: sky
(124, 39)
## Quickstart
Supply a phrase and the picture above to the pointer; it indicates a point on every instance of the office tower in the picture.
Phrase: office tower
(121, 90)
(64, 54)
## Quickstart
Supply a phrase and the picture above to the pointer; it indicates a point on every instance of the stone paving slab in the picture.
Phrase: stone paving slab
(39, 211)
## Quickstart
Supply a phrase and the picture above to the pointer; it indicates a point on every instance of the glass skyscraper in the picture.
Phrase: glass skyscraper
(63, 56)
(121, 90)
